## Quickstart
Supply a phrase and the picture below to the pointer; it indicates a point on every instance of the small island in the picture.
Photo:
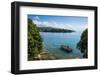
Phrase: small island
(52, 29)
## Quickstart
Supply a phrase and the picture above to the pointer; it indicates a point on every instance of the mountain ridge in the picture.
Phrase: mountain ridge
(52, 29)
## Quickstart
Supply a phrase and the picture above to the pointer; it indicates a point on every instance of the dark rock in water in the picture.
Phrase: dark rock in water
(66, 48)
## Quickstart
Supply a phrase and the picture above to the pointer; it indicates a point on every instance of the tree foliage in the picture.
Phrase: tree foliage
(83, 43)
(34, 41)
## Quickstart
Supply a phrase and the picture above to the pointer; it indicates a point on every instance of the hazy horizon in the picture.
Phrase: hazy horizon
(75, 23)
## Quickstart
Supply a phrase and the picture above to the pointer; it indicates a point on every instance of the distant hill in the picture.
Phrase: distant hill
(52, 29)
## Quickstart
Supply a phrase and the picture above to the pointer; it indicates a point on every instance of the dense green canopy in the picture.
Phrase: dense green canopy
(83, 43)
(34, 41)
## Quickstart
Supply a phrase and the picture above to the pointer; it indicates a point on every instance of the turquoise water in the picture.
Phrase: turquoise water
(53, 41)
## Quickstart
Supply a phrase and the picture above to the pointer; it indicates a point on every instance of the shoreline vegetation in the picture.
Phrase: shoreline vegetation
(52, 29)
(36, 51)
(45, 55)
(35, 44)
(82, 45)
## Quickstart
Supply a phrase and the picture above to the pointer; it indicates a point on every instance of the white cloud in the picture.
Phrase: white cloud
(80, 28)
(42, 23)
(54, 24)
(36, 22)
(36, 18)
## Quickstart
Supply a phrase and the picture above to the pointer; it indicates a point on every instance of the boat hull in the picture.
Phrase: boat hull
(66, 48)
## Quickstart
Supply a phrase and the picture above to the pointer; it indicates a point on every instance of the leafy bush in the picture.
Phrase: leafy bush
(83, 43)
(34, 41)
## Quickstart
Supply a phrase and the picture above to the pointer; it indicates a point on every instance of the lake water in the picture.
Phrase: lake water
(53, 41)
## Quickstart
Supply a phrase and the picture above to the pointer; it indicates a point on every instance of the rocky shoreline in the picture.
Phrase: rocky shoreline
(46, 56)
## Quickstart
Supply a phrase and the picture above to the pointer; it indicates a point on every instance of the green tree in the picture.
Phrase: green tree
(34, 41)
(83, 43)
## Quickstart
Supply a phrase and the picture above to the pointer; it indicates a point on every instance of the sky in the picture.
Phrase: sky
(75, 23)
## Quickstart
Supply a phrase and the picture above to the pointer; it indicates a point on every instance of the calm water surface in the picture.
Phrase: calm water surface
(53, 42)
